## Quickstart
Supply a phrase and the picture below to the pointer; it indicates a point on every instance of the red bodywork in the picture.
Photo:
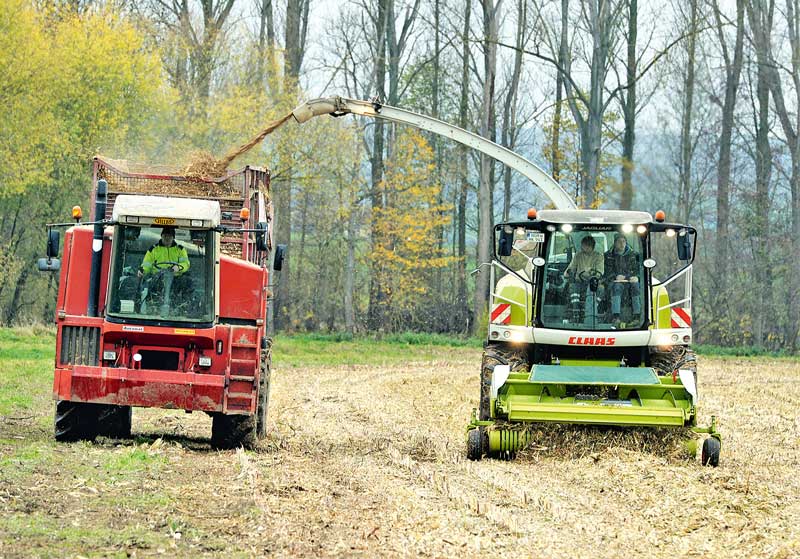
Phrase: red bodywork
(234, 342)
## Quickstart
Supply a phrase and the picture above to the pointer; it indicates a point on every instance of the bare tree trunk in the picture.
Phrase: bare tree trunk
(350, 273)
(791, 129)
(629, 110)
(509, 131)
(266, 40)
(733, 69)
(463, 165)
(296, 31)
(376, 295)
(684, 196)
(485, 222)
(555, 146)
(761, 18)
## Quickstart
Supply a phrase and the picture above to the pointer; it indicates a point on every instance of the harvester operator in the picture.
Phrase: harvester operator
(586, 268)
(587, 261)
(621, 267)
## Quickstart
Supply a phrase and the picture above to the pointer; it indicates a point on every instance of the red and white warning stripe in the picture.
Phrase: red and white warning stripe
(680, 317)
(501, 313)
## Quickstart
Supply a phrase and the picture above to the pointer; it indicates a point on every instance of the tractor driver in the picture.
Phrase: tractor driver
(167, 255)
(622, 273)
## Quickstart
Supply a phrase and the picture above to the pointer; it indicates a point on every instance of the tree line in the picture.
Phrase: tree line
(690, 106)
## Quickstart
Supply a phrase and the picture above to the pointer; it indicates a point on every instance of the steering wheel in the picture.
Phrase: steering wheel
(586, 275)
(166, 265)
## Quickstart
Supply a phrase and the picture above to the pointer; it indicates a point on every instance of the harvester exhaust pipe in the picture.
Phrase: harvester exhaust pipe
(97, 246)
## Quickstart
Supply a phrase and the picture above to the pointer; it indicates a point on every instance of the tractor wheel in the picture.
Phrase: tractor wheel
(233, 431)
(710, 453)
(496, 355)
(475, 444)
(263, 395)
(75, 421)
(115, 421)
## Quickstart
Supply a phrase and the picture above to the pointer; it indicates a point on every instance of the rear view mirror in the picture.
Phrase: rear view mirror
(48, 264)
(280, 253)
(684, 245)
(261, 235)
(53, 242)
(506, 242)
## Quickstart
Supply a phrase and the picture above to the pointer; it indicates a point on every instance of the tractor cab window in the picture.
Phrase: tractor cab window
(162, 274)
(593, 280)
(512, 291)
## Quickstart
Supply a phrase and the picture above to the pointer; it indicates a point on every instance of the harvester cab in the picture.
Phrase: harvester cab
(590, 323)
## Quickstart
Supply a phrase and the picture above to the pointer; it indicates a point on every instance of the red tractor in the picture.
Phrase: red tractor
(162, 302)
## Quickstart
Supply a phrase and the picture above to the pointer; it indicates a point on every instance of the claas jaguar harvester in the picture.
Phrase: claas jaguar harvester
(599, 338)
(590, 323)
(162, 302)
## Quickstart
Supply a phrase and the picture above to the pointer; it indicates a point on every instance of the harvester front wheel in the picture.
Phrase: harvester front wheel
(233, 431)
(75, 421)
(495, 355)
(475, 444)
(710, 453)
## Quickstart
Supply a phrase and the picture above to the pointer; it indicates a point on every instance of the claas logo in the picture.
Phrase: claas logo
(585, 340)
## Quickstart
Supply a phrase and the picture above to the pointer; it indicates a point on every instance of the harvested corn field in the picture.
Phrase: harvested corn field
(366, 458)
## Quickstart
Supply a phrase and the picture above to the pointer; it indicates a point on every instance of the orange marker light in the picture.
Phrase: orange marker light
(660, 216)
(244, 214)
(532, 213)
(77, 212)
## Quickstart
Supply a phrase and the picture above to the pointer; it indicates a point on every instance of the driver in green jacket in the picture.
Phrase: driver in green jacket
(167, 250)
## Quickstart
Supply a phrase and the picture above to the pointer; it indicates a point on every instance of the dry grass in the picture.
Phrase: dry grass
(369, 460)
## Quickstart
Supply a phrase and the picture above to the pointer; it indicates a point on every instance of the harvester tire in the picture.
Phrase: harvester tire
(679, 357)
(475, 444)
(115, 421)
(710, 453)
(496, 355)
(75, 421)
(233, 431)
(263, 394)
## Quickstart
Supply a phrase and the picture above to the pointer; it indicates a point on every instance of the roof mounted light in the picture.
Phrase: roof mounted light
(566, 228)
(627, 228)
(77, 213)
(532, 213)
(641, 229)
(660, 216)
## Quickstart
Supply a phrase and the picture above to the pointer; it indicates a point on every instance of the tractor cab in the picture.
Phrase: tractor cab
(164, 263)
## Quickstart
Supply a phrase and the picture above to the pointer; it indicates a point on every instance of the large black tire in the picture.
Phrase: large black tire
(75, 421)
(233, 431)
(678, 357)
(475, 444)
(710, 453)
(263, 394)
(115, 421)
(496, 354)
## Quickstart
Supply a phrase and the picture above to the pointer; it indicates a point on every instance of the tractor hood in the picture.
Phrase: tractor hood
(159, 210)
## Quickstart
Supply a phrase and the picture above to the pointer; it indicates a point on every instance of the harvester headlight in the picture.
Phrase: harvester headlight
(204, 361)
(551, 228)
(566, 228)
(494, 335)
(109, 355)
(670, 232)
(197, 223)
(641, 229)
(627, 228)
(506, 334)
(131, 219)
(518, 336)
(674, 337)
(687, 338)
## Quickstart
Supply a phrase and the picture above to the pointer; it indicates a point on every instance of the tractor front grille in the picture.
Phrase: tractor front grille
(80, 345)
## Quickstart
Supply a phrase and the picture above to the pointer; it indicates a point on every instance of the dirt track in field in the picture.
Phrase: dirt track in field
(366, 461)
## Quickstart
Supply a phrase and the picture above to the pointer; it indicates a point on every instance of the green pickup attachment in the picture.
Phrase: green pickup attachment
(583, 395)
